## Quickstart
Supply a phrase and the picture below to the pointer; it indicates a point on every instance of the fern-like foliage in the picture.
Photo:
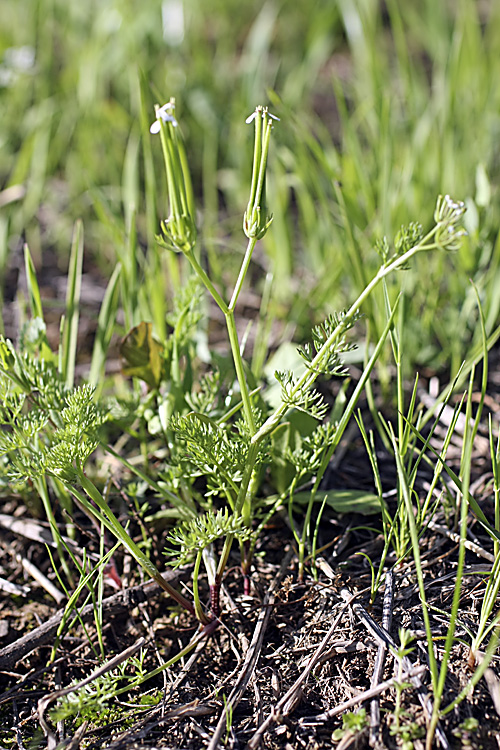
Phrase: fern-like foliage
(62, 450)
(45, 427)
(217, 452)
(304, 399)
(408, 237)
(78, 437)
(205, 397)
(330, 362)
(23, 375)
(306, 457)
(194, 535)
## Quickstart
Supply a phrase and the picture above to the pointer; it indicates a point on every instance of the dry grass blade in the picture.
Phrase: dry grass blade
(75, 741)
(14, 588)
(413, 674)
(41, 579)
(492, 682)
(140, 731)
(35, 531)
(378, 667)
(472, 546)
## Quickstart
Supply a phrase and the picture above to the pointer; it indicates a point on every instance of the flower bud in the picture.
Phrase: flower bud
(256, 221)
(178, 230)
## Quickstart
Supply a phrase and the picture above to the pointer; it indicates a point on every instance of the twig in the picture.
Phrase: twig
(494, 688)
(492, 681)
(413, 674)
(144, 727)
(19, 737)
(378, 667)
(75, 742)
(253, 653)
(287, 703)
(34, 530)
(472, 546)
(41, 579)
(14, 588)
(185, 670)
(113, 605)
(381, 635)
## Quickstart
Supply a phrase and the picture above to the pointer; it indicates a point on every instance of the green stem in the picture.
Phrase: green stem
(433, 668)
(231, 326)
(196, 595)
(290, 509)
(201, 273)
(240, 370)
(41, 487)
(243, 271)
(311, 373)
(207, 630)
(242, 496)
(305, 534)
(104, 514)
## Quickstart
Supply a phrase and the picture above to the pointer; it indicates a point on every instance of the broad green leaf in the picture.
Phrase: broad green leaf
(142, 354)
(344, 501)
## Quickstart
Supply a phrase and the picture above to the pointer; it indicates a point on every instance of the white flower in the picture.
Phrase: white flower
(264, 111)
(163, 114)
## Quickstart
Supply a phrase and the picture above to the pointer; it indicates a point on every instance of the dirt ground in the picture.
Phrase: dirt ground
(290, 658)
(285, 664)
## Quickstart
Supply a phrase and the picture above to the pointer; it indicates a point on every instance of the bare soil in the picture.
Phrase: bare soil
(285, 664)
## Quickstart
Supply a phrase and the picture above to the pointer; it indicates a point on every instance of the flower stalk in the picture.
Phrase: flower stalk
(179, 231)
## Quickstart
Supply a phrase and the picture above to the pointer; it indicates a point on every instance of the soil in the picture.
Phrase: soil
(282, 624)
(288, 665)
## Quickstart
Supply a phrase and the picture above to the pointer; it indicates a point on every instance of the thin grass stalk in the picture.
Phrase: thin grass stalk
(85, 578)
(450, 635)
(397, 354)
(71, 317)
(98, 618)
(310, 375)
(495, 464)
(240, 501)
(106, 323)
(416, 553)
(196, 594)
(42, 490)
(104, 515)
(200, 636)
(341, 427)
(32, 282)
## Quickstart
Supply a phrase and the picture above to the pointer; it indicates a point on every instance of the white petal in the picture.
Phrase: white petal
(251, 117)
(166, 107)
(155, 127)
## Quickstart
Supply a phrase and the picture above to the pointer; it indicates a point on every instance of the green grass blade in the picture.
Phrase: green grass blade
(105, 326)
(32, 283)
(69, 341)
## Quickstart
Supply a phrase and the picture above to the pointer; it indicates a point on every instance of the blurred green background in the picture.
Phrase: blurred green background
(383, 106)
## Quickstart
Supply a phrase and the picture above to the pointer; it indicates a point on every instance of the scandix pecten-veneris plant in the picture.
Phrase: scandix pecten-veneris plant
(54, 427)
